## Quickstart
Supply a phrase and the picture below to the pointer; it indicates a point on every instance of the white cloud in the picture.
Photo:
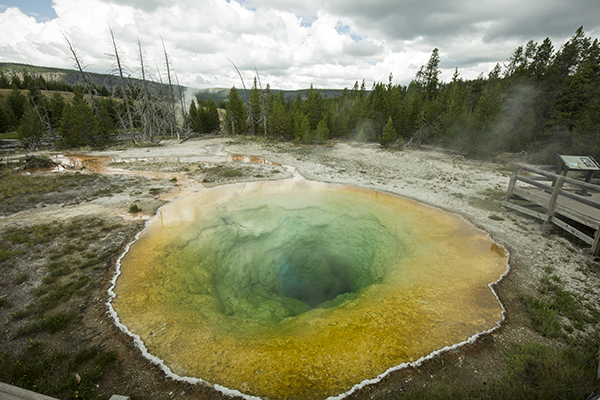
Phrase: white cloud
(293, 43)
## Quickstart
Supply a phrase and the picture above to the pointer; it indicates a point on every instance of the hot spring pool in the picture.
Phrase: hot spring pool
(301, 290)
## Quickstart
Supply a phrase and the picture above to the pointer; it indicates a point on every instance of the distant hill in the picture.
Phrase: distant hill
(220, 94)
(73, 77)
(69, 76)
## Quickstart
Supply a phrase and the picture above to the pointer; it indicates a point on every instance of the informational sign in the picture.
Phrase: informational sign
(578, 163)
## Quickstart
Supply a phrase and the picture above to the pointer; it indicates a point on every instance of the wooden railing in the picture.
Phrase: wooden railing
(552, 189)
(9, 392)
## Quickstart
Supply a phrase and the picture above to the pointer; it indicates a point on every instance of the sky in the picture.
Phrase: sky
(291, 43)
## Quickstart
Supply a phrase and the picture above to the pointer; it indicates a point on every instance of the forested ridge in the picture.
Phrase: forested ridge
(542, 101)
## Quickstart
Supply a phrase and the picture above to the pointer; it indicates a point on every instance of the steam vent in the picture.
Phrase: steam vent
(302, 290)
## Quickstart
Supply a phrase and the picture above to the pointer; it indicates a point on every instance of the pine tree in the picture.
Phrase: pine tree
(4, 81)
(4, 119)
(236, 113)
(279, 121)
(389, 135)
(303, 131)
(16, 101)
(255, 105)
(31, 130)
(79, 126)
(313, 107)
(193, 117)
(428, 75)
(212, 122)
(322, 132)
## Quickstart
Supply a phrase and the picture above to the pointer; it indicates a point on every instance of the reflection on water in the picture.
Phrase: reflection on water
(298, 290)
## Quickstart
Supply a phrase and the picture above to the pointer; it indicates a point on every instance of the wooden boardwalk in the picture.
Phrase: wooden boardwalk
(10, 392)
(557, 200)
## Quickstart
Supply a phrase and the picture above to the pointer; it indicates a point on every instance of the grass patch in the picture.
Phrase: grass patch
(8, 254)
(59, 293)
(545, 318)
(535, 371)
(9, 135)
(51, 324)
(14, 184)
(155, 191)
(232, 173)
(133, 209)
(485, 203)
(494, 194)
(55, 373)
(33, 235)
(495, 217)
(54, 313)
(21, 278)
(19, 192)
(532, 371)
(557, 311)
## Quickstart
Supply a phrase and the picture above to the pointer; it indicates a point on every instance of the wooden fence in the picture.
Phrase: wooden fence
(549, 196)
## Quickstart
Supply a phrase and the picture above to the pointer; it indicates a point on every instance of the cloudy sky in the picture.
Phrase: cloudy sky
(292, 43)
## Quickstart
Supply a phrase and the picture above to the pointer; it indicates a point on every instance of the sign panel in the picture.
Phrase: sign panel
(578, 163)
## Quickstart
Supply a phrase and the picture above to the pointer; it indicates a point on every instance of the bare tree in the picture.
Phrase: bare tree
(172, 97)
(142, 106)
(181, 95)
(264, 112)
(123, 85)
(40, 107)
(83, 76)
(248, 104)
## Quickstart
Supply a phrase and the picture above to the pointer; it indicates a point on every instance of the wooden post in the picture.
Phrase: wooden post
(12, 392)
(512, 182)
(596, 252)
(552, 205)
(598, 371)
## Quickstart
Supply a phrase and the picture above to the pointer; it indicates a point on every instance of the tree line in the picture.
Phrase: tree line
(542, 101)
(48, 113)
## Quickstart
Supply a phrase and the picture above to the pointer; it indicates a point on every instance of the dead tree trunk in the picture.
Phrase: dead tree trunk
(174, 119)
(123, 86)
(249, 105)
(181, 91)
(265, 112)
(40, 102)
(83, 76)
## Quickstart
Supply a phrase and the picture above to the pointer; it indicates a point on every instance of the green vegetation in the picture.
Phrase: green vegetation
(232, 173)
(21, 278)
(9, 135)
(542, 100)
(532, 371)
(558, 312)
(74, 251)
(64, 375)
(19, 191)
(133, 209)
(205, 117)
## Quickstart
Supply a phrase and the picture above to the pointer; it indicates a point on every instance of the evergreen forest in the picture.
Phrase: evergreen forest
(542, 101)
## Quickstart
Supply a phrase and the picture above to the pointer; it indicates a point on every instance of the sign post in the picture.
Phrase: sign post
(578, 163)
